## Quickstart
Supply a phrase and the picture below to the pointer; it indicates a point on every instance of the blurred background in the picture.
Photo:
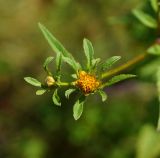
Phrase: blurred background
(31, 126)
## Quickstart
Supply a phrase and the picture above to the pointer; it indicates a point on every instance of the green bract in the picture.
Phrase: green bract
(87, 81)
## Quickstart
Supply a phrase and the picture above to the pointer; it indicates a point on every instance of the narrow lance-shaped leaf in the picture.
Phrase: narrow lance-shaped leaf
(40, 91)
(58, 65)
(119, 78)
(155, 49)
(75, 66)
(69, 92)
(144, 18)
(32, 81)
(45, 65)
(109, 62)
(78, 108)
(103, 95)
(56, 99)
(95, 62)
(89, 52)
(154, 4)
(158, 87)
(56, 45)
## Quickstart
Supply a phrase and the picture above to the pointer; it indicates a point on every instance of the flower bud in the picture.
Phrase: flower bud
(50, 81)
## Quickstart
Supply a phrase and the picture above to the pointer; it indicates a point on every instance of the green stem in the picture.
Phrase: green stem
(124, 66)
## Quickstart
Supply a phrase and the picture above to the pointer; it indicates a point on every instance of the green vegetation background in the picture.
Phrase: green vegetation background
(31, 126)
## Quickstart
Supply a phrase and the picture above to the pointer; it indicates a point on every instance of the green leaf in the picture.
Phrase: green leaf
(103, 95)
(32, 81)
(76, 66)
(95, 62)
(47, 61)
(144, 18)
(158, 87)
(56, 99)
(78, 108)
(119, 78)
(109, 62)
(41, 91)
(155, 49)
(154, 4)
(55, 44)
(89, 52)
(74, 76)
(68, 92)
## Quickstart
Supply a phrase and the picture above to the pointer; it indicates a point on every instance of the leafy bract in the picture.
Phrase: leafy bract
(89, 52)
(78, 107)
(32, 81)
(56, 45)
(144, 18)
(55, 98)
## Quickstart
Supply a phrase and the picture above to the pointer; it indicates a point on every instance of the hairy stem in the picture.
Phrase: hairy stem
(124, 66)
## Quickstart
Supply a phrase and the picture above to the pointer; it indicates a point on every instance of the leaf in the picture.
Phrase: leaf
(95, 62)
(40, 92)
(32, 81)
(103, 95)
(119, 78)
(55, 44)
(109, 62)
(75, 66)
(155, 49)
(89, 52)
(158, 87)
(47, 61)
(68, 92)
(78, 108)
(74, 76)
(56, 99)
(144, 18)
(154, 4)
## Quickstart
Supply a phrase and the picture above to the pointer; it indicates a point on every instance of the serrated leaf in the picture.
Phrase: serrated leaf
(40, 92)
(155, 49)
(56, 99)
(47, 61)
(55, 44)
(89, 52)
(103, 95)
(109, 62)
(68, 92)
(78, 108)
(119, 78)
(154, 4)
(158, 87)
(32, 81)
(144, 18)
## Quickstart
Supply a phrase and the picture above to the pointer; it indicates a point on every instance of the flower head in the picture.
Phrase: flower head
(87, 83)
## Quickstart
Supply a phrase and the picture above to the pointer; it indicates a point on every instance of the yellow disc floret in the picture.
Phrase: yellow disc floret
(87, 83)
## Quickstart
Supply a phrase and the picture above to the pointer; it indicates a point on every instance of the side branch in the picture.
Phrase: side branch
(125, 66)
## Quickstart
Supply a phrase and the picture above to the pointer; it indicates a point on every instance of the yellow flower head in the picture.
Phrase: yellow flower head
(87, 83)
